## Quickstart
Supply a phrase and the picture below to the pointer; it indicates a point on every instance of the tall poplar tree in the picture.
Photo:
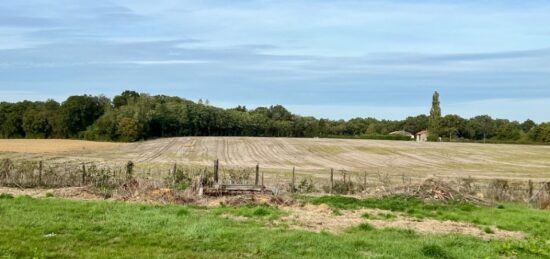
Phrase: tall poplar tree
(435, 117)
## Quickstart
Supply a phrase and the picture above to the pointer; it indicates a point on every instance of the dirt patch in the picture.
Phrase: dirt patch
(241, 200)
(234, 217)
(322, 218)
(432, 226)
(319, 218)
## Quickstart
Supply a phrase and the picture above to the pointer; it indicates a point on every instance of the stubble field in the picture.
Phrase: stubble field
(309, 156)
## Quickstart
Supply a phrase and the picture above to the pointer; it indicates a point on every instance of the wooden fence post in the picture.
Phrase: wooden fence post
(129, 170)
(174, 171)
(403, 177)
(331, 179)
(201, 189)
(216, 168)
(40, 172)
(293, 179)
(530, 189)
(365, 183)
(257, 181)
(83, 174)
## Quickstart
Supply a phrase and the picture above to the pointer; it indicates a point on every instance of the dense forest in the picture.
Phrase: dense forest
(133, 116)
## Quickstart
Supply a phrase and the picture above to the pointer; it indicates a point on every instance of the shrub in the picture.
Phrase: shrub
(341, 187)
(499, 190)
(306, 186)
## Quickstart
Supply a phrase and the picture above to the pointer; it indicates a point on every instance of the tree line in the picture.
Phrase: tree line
(133, 116)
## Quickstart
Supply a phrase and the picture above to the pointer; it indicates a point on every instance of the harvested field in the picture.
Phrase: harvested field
(309, 156)
(52, 145)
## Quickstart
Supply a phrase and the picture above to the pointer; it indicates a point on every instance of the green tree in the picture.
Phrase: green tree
(451, 125)
(540, 133)
(508, 131)
(11, 116)
(416, 124)
(481, 127)
(435, 117)
(125, 98)
(35, 124)
(129, 129)
(527, 125)
(79, 112)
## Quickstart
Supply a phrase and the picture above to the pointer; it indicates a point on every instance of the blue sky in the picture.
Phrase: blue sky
(335, 59)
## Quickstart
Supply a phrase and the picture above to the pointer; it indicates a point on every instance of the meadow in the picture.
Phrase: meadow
(57, 228)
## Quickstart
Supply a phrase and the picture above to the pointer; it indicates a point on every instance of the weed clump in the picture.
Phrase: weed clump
(182, 212)
(435, 251)
(488, 230)
(305, 186)
(261, 212)
(366, 227)
(6, 196)
(387, 215)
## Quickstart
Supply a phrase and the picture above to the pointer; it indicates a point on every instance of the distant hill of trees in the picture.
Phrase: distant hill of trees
(133, 116)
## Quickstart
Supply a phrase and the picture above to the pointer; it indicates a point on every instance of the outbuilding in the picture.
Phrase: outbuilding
(422, 136)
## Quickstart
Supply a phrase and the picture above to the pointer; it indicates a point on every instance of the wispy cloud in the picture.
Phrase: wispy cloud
(164, 62)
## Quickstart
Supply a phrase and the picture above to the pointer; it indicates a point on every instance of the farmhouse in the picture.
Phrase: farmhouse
(402, 133)
(422, 136)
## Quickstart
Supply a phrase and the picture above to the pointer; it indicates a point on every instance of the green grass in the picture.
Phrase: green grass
(56, 228)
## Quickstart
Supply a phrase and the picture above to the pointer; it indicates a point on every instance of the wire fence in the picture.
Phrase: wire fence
(47, 174)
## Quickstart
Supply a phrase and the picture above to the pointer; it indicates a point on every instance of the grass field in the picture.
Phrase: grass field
(314, 156)
(56, 228)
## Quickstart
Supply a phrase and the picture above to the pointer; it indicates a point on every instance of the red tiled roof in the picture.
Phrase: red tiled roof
(422, 132)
